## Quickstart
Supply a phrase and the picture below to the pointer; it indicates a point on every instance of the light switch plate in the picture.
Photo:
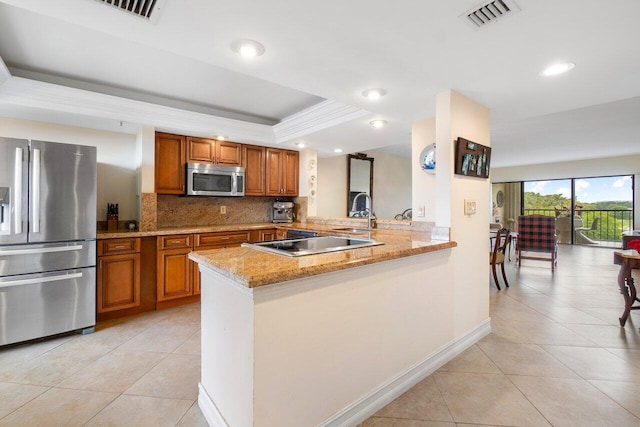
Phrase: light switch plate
(469, 207)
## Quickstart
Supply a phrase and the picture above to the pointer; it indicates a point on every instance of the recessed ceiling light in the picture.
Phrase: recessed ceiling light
(247, 48)
(555, 69)
(373, 94)
(378, 123)
(221, 137)
(300, 144)
(338, 150)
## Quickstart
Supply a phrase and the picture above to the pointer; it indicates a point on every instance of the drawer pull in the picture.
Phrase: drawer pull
(120, 246)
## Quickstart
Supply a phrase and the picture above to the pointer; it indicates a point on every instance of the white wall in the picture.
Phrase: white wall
(116, 152)
(609, 166)
(499, 211)
(391, 185)
(423, 188)
(309, 180)
(332, 186)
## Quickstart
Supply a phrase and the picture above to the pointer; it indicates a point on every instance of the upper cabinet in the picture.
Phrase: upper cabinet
(202, 150)
(281, 172)
(253, 162)
(268, 171)
(169, 163)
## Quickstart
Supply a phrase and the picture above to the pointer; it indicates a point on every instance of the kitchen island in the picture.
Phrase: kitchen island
(324, 339)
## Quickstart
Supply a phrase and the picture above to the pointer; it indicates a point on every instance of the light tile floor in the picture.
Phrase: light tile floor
(138, 371)
(556, 357)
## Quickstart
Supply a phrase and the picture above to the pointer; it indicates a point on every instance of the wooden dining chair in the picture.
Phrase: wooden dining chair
(498, 253)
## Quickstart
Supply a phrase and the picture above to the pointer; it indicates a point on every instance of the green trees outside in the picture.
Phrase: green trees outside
(615, 216)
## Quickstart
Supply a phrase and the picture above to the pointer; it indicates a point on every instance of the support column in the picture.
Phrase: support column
(458, 116)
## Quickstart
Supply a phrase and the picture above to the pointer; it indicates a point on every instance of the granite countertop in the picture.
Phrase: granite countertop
(330, 226)
(252, 268)
(186, 230)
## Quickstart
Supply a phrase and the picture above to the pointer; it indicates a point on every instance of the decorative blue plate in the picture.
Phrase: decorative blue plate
(428, 158)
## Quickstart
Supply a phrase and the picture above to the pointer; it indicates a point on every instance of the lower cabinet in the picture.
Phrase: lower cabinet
(118, 278)
(152, 273)
(220, 240)
(174, 268)
(178, 276)
(174, 274)
(269, 234)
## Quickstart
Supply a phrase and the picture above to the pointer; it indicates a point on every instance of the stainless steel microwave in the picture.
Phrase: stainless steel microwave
(214, 180)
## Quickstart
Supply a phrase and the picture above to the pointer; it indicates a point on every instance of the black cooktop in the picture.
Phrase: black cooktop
(312, 245)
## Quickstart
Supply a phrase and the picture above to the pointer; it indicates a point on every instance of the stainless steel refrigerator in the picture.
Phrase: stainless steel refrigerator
(47, 239)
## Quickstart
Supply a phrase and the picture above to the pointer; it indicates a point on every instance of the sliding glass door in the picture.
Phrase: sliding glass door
(588, 211)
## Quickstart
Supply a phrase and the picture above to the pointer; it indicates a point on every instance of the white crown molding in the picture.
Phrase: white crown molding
(55, 97)
(32, 93)
(313, 119)
(5, 74)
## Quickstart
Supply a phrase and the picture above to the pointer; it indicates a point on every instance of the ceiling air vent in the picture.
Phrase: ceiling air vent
(146, 9)
(489, 12)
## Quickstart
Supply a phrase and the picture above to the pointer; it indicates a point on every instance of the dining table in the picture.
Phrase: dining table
(628, 260)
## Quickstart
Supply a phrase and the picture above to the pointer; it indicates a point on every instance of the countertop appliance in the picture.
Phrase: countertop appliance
(214, 180)
(47, 239)
(282, 211)
(312, 245)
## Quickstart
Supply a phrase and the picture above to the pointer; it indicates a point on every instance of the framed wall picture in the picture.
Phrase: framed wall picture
(472, 159)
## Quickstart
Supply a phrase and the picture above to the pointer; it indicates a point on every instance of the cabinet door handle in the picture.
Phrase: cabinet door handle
(100, 264)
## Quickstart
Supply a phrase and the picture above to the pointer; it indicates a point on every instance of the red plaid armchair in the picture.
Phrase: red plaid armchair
(537, 233)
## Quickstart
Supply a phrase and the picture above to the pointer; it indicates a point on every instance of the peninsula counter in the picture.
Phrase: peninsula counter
(324, 339)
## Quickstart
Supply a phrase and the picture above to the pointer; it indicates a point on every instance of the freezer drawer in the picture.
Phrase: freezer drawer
(24, 259)
(43, 304)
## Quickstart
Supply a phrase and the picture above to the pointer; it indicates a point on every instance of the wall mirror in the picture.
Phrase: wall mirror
(359, 180)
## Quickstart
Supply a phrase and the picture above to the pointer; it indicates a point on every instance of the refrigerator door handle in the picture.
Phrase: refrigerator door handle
(35, 201)
(7, 251)
(17, 178)
(7, 283)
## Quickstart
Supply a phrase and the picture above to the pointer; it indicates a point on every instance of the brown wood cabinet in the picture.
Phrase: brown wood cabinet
(203, 150)
(118, 284)
(253, 160)
(178, 277)
(268, 171)
(219, 240)
(281, 172)
(169, 164)
(174, 269)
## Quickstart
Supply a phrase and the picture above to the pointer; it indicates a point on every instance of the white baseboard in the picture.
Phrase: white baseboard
(372, 402)
(209, 409)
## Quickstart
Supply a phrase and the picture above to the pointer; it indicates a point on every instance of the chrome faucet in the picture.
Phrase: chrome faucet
(370, 214)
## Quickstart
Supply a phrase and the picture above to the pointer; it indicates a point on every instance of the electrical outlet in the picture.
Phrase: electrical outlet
(421, 211)
(223, 210)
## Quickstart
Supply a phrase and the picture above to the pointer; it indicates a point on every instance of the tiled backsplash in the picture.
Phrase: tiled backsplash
(198, 211)
(160, 211)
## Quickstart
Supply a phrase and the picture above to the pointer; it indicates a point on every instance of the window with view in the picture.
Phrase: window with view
(588, 211)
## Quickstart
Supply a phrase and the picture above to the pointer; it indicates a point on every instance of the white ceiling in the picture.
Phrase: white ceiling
(333, 50)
